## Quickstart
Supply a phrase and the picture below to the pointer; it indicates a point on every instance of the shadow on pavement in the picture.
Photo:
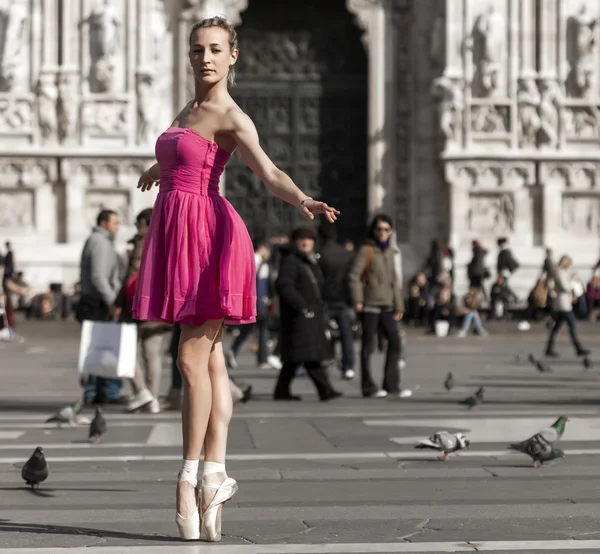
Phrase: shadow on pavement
(6, 526)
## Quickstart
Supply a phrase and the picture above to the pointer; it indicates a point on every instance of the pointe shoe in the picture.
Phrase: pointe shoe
(189, 527)
(211, 516)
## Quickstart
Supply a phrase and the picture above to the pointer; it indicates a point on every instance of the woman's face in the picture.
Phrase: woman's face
(383, 230)
(210, 55)
(305, 245)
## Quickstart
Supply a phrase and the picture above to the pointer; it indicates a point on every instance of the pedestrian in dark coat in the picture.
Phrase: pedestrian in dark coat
(303, 318)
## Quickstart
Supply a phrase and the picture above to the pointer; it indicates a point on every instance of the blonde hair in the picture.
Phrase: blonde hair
(565, 262)
(221, 23)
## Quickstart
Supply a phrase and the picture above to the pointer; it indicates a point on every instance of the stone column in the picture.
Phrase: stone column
(374, 18)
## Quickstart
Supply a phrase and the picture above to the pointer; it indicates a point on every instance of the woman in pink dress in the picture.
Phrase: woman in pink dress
(197, 267)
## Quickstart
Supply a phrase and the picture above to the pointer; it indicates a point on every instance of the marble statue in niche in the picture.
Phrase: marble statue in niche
(158, 31)
(105, 43)
(581, 52)
(449, 98)
(550, 111)
(582, 122)
(488, 43)
(146, 106)
(13, 40)
(528, 99)
(68, 107)
(581, 214)
(47, 109)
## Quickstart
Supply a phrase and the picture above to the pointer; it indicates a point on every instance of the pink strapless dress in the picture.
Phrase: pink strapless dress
(198, 261)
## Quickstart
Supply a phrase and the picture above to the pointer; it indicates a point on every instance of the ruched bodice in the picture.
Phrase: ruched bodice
(189, 162)
(198, 260)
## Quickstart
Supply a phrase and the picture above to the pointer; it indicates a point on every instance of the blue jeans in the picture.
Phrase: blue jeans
(101, 389)
(263, 338)
(474, 318)
(341, 315)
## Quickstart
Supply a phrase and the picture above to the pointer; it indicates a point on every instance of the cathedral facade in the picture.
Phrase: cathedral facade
(462, 119)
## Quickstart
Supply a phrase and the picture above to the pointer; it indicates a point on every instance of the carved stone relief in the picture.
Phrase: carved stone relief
(489, 119)
(230, 9)
(14, 18)
(488, 47)
(105, 46)
(491, 213)
(102, 118)
(550, 111)
(581, 214)
(98, 200)
(582, 122)
(16, 114)
(17, 209)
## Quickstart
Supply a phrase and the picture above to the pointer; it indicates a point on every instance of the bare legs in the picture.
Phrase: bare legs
(207, 404)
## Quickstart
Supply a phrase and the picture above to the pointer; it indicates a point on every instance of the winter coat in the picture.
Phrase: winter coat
(562, 287)
(375, 282)
(506, 264)
(302, 310)
(476, 268)
(99, 276)
(335, 262)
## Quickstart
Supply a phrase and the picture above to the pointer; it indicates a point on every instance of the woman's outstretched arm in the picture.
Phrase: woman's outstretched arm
(278, 182)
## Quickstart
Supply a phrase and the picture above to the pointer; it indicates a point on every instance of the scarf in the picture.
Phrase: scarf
(383, 244)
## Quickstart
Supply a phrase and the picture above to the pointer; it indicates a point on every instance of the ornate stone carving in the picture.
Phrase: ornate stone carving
(147, 105)
(490, 119)
(17, 209)
(47, 98)
(571, 175)
(107, 174)
(488, 176)
(491, 213)
(581, 214)
(68, 107)
(105, 43)
(581, 52)
(158, 31)
(13, 65)
(449, 96)
(488, 44)
(528, 99)
(16, 114)
(102, 118)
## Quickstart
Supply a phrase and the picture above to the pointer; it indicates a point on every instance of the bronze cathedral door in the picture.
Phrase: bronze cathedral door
(302, 78)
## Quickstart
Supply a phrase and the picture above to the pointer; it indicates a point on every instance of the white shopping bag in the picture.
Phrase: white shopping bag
(108, 349)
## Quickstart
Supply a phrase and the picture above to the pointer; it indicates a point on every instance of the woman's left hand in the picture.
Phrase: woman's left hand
(310, 207)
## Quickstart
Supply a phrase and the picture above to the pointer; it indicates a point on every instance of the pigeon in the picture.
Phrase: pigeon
(65, 415)
(540, 447)
(474, 400)
(97, 426)
(587, 363)
(449, 382)
(542, 368)
(35, 470)
(445, 442)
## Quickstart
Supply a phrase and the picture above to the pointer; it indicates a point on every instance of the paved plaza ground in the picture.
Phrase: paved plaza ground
(316, 477)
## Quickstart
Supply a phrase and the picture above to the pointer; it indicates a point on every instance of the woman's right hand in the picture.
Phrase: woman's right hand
(146, 181)
(358, 308)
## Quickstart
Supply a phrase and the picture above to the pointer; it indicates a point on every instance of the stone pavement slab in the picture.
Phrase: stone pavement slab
(314, 477)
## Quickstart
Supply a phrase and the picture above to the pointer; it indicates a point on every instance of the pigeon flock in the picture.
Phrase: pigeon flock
(541, 447)
(36, 469)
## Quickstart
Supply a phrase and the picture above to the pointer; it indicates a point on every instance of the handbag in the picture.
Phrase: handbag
(108, 349)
